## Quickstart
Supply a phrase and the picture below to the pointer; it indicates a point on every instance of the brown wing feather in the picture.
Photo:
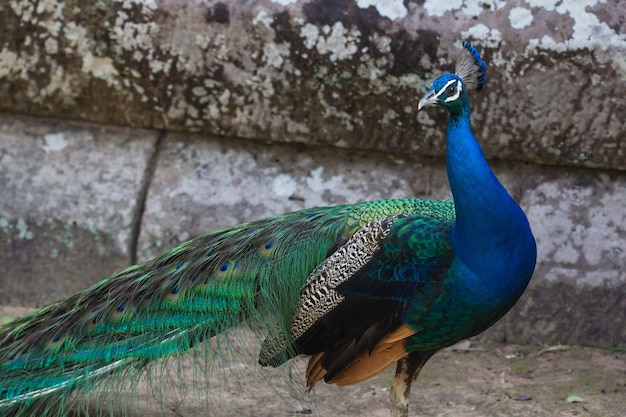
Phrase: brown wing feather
(315, 372)
(387, 352)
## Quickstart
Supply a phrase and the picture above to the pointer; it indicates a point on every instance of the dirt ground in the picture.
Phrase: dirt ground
(472, 379)
(469, 380)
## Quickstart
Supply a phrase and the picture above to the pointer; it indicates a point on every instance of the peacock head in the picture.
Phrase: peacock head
(450, 90)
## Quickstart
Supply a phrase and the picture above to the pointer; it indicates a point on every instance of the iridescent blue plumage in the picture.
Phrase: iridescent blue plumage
(357, 287)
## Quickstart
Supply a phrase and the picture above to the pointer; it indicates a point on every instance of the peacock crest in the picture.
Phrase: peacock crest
(471, 68)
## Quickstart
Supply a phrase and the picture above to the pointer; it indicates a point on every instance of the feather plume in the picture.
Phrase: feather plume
(471, 68)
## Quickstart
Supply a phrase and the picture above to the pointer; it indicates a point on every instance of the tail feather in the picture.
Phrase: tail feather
(51, 358)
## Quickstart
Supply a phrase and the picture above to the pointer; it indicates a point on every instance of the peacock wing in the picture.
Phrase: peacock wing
(356, 297)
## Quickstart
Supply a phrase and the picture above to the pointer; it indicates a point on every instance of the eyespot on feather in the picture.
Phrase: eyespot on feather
(226, 269)
(266, 248)
(55, 341)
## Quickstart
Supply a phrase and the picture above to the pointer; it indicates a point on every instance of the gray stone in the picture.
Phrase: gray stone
(70, 194)
(579, 291)
(579, 287)
(345, 73)
(207, 183)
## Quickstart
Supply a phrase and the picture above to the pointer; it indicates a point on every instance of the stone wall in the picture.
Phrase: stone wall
(300, 104)
(336, 72)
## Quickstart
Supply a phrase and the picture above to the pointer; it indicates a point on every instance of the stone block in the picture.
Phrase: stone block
(207, 183)
(579, 287)
(70, 196)
(578, 294)
(344, 73)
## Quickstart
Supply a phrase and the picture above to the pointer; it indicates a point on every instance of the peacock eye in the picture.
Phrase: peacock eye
(451, 90)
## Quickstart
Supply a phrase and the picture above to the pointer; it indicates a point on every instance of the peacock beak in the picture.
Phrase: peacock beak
(429, 99)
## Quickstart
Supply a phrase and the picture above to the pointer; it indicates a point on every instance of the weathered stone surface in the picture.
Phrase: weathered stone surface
(579, 288)
(207, 183)
(339, 72)
(579, 293)
(69, 196)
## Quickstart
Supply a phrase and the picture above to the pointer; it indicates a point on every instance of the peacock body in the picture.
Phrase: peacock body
(357, 287)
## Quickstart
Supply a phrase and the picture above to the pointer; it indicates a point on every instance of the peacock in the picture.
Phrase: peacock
(356, 288)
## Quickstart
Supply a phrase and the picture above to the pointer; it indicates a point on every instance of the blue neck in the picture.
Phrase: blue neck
(491, 236)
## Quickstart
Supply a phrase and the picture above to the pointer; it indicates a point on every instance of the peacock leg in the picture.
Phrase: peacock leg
(407, 370)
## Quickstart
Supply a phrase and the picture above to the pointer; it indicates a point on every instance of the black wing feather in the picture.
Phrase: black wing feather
(408, 268)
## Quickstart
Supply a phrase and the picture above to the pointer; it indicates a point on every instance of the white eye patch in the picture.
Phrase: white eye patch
(459, 88)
